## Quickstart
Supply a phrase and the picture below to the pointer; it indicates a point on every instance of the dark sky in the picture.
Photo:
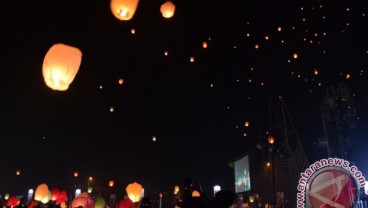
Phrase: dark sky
(195, 110)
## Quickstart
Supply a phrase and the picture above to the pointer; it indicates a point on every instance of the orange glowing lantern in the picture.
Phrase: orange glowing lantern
(41, 193)
(121, 81)
(111, 183)
(17, 172)
(123, 9)
(60, 66)
(246, 124)
(76, 173)
(191, 59)
(134, 191)
(204, 44)
(271, 139)
(196, 193)
(167, 9)
(176, 189)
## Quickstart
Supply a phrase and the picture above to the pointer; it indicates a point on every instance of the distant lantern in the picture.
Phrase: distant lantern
(121, 81)
(112, 109)
(204, 44)
(246, 124)
(176, 189)
(271, 140)
(166, 53)
(134, 191)
(123, 9)
(256, 46)
(295, 55)
(167, 9)
(76, 173)
(191, 59)
(60, 66)
(132, 31)
(196, 193)
(17, 172)
(111, 183)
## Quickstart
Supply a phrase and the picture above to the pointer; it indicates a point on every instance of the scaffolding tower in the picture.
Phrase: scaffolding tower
(288, 158)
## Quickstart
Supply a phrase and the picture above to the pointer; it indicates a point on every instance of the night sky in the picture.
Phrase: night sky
(257, 50)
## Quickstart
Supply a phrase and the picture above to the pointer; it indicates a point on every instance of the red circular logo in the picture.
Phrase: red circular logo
(332, 188)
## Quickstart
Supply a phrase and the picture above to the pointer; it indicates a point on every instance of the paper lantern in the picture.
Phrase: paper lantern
(100, 202)
(111, 183)
(41, 192)
(60, 66)
(6, 197)
(176, 189)
(121, 81)
(167, 9)
(17, 172)
(126, 203)
(134, 191)
(84, 200)
(13, 201)
(55, 192)
(196, 193)
(271, 140)
(62, 198)
(123, 9)
(204, 44)
(76, 173)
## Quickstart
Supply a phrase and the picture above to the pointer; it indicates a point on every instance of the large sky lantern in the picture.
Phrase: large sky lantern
(60, 66)
(167, 9)
(42, 191)
(123, 9)
(134, 191)
(83, 200)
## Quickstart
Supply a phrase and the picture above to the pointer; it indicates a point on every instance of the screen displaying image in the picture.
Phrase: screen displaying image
(242, 175)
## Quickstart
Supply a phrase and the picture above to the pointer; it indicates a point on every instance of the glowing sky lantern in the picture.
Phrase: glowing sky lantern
(17, 172)
(204, 44)
(295, 55)
(191, 59)
(100, 202)
(246, 124)
(167, 9)
(111, 183)
(83, 200)
(60, 66)
(134, 191)
(271, 140)
(196, 193)
(42, 191)
(176, 189)
(55, 192)
(76, 173)
(121, 81)
(123, 9)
